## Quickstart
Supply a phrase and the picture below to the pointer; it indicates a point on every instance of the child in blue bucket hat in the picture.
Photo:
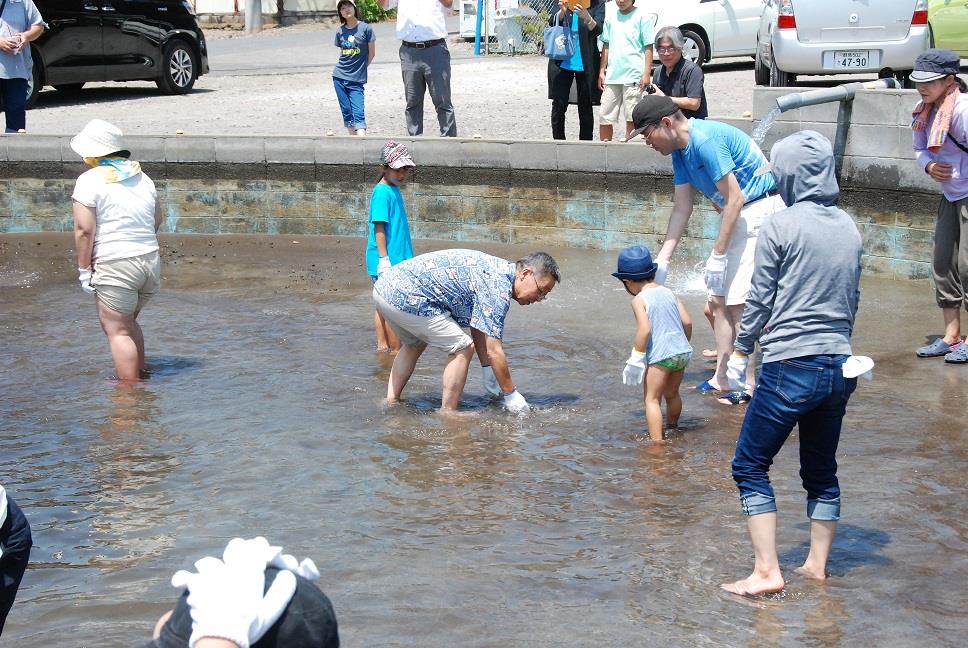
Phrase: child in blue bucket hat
(661, 349)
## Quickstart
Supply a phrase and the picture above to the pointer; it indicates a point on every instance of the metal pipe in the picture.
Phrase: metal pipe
(843, 92)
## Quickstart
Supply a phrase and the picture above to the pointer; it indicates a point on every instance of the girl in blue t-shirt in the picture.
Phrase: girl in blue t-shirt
(389, 241)
(357, 45)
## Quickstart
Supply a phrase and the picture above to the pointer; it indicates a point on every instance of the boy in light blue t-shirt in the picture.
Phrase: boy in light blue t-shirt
(626, 68)
(389, 240)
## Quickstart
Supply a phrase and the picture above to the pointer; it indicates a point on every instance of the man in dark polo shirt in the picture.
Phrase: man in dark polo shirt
(678, 78)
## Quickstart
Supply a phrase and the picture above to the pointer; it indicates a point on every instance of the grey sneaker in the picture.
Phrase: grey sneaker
(936, 349)
(959, 355)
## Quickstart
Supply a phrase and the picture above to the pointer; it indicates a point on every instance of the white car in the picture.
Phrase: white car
(839, 37)
(713, 28)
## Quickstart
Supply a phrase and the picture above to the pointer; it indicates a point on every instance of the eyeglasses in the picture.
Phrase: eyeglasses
(666, 50)
(543, 294)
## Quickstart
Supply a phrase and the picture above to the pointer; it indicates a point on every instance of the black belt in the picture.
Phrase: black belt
(423, 44)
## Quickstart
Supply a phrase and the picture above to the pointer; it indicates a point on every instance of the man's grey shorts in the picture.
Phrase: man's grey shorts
(440, 331)
(124, 283)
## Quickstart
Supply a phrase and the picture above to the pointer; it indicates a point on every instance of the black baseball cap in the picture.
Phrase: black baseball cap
(650, 110)
(309, 621)
(934, 64)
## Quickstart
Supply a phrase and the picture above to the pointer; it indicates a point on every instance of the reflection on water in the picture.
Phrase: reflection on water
(264, 415)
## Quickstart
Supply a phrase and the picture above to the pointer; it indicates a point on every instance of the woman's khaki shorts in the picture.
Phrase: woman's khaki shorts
(124, 283)
(440, 331)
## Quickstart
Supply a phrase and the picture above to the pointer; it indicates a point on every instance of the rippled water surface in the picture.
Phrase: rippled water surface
(569, 527)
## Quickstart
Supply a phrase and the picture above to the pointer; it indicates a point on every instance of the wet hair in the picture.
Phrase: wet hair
(673, 34)
(339, 10)
(541, 263)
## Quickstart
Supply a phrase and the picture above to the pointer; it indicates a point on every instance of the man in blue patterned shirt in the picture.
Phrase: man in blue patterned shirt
(431, 298)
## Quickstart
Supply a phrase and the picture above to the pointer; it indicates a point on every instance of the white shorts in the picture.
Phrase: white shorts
(614, 98)
(440, 331)
(742, 247)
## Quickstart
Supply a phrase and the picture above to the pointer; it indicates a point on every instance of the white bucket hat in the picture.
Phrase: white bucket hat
(97, 139)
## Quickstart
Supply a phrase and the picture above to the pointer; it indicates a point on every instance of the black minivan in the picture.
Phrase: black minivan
(118, 40)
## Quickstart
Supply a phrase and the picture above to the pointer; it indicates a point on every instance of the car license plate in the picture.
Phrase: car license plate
(853, 59)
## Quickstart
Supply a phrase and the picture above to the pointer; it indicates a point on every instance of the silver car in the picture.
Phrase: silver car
(839, 37)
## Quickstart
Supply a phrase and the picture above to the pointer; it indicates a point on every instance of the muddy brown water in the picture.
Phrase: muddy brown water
(569, 527)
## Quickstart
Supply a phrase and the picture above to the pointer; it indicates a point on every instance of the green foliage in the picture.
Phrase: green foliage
(533, 28)
(372, 12)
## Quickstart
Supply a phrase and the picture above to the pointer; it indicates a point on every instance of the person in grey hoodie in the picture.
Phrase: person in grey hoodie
(801, 309)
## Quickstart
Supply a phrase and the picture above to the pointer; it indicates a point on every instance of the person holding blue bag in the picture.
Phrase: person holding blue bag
(580, 69)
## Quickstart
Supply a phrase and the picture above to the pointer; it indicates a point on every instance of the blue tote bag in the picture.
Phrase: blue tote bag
(560, 42)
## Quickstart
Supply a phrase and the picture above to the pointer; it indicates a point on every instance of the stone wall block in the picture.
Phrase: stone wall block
(190, 148)
(635, 157)
(443, 209)
(874, 141)
(764, 100)
(913, 244)
(576, 214)
(144, 148)
(340, 150)
(290, 172)
(342, 227)
(875, 107)
(251, 205)
(485, 154)
(240, 150)
(489, 183)
(446, 181)
(294, 150)
(534, 155)
(442, 152)
(543, 213)
(588, 157)
(237, 225)
(292, 226)
(825, 113)
(292, 205)
(36, 148)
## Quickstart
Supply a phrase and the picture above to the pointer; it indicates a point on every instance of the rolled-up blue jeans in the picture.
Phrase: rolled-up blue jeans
(812, 393)
(351, 103)
(14, 93)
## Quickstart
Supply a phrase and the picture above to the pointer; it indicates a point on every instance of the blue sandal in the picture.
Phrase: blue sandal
(735, 398)
(705, 388)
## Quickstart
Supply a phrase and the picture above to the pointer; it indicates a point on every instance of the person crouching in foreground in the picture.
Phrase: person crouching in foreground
(801, 309)
(254, 596)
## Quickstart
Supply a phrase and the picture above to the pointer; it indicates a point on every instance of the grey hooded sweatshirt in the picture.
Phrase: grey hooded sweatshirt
(806, 276)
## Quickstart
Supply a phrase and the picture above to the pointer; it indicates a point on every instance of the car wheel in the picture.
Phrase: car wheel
(69, 88)
(904, 78)
(178, 68)
(761, 73)
(779, 78)
(694, 47)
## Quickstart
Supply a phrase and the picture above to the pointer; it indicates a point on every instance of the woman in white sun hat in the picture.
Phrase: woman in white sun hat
(116, 217)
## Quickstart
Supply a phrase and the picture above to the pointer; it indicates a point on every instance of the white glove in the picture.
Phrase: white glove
(490, 381)
(382, 265)
(736, 370)
(226, 597)
(661, 272)
(515, 403)
(84, 277)
(715, 275)
(634, 370)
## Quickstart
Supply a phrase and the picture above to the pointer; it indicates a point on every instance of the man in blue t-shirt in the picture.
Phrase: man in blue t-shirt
(726, 166)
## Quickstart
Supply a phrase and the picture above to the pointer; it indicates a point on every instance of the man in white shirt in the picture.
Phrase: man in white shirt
(424, 60)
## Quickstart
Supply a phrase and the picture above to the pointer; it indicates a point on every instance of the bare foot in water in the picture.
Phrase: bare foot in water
(755, 585)
(810, 572)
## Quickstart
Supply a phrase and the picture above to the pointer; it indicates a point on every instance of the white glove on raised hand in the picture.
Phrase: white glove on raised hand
(661, 271)
(490, 381)
(225, 597)
(634, 370)
(736, 370)
(515, 403)
(382, 265)
(715, 275)
(84, 277)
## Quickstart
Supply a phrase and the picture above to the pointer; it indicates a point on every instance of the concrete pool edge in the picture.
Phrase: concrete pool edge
(559, 193)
